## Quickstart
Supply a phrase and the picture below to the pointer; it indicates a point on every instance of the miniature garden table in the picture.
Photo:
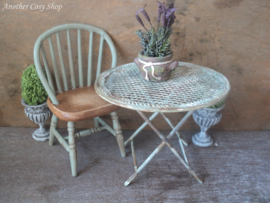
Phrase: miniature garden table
(190, 87)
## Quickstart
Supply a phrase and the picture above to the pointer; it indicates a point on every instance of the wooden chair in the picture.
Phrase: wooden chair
(73, 100)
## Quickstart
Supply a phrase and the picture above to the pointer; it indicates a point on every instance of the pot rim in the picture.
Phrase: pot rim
(140, 55)
(33, 106)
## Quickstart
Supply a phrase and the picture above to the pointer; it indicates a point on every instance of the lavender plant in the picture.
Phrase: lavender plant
(156, 41)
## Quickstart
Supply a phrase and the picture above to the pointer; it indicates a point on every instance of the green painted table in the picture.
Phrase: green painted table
(190, 87)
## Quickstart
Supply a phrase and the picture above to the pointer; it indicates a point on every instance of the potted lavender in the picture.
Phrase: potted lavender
(155, 60)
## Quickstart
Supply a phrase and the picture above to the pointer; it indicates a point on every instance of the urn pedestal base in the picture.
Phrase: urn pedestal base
(41, 135)
(202, 140)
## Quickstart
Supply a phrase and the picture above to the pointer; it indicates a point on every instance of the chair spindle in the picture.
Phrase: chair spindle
(48, 73)
(56, 73)
(90, 53)
(80, 59)
(63, 69)
(72, 74)
(100, 55)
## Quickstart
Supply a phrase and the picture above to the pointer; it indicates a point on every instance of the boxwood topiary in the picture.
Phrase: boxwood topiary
(33, 92)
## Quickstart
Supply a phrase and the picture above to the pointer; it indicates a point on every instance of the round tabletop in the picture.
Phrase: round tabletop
(190, 87)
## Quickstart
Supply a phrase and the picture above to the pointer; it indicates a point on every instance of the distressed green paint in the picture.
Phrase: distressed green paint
(118, 132)
(90, 53)
(100, 124)
(48, 73)
(54, 121)
(80, 59)
(100, 55)
(70, 60)
(55, 67)
(63, 69)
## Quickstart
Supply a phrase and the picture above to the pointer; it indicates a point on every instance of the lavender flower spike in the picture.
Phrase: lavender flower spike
(146, 15)
(170, 15)
(169, 12)
(159, 11)
(139, 19)
(169, 22)
(163, 17)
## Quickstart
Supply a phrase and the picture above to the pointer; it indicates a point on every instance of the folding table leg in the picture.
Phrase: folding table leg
(180, 139)
(140, 129)
(145, 163)
(164, 141)
(134, 157)
(177, 133)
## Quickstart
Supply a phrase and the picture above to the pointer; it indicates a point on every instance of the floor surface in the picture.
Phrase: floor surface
(235, 169)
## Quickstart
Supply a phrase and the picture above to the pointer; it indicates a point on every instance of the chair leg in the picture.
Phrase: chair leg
(53, 126)
(96, 122)
(72, 148)
(118, 132)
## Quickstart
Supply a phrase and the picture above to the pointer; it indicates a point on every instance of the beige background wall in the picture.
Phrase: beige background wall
(231, 37)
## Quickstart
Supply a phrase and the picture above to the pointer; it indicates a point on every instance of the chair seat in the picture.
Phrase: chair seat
(80, 104)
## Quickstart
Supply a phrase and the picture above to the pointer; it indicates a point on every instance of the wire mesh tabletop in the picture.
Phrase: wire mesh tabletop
(190, 87)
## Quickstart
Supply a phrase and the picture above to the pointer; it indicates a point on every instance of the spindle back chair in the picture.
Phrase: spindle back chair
(70, 100)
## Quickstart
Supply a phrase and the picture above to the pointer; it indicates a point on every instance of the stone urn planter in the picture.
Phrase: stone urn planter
(205, 118)
(155, 69)
(39, 114)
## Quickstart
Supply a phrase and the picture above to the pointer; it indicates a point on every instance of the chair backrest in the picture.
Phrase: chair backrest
(51, 80)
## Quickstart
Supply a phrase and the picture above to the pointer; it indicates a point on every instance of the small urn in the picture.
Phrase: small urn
(39, 114)
(205, 118)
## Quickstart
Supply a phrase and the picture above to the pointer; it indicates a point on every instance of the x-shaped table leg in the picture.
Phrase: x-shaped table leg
(164, 142)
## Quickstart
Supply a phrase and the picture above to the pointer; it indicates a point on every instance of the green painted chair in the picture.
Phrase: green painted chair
(72, 96)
